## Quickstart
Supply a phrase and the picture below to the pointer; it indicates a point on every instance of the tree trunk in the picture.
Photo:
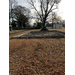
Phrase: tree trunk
(44, 27)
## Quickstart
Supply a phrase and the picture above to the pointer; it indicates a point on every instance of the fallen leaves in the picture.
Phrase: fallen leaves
(37, 56)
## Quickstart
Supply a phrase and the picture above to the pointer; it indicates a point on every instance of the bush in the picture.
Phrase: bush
(39, 25)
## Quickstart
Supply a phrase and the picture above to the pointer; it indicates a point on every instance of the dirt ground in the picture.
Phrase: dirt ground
(18, 32)
(36, 56)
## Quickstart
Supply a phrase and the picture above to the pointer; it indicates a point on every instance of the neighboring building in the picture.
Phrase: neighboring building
(55, 25)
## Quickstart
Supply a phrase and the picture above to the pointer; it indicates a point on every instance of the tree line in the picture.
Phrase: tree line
(19, 15)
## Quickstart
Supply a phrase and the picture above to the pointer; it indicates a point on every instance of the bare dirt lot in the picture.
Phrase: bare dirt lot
(42, 34)
(36, 56)
(18, 32)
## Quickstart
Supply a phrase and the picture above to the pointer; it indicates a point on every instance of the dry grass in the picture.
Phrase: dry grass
(37, 56)
(61, 29)
(17, 33)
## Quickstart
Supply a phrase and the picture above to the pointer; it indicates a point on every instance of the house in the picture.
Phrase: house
(55, 25)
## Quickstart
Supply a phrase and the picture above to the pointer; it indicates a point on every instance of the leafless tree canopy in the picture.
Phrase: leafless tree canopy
(12, 4)
(45, 8)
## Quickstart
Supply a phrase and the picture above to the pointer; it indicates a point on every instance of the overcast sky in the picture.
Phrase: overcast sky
(61, 10)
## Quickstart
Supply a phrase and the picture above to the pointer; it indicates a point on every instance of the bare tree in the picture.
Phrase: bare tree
(12, 4)
(21, 15)
(59, 19)
(45, 8)
(56, 18)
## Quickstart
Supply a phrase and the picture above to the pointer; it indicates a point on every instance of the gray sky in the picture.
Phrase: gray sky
(61, 10)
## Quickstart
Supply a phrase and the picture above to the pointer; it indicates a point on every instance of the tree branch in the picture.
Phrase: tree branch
(50, 8)
(41, 1)
(43, 7)
(47, 7)
(32, 3)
